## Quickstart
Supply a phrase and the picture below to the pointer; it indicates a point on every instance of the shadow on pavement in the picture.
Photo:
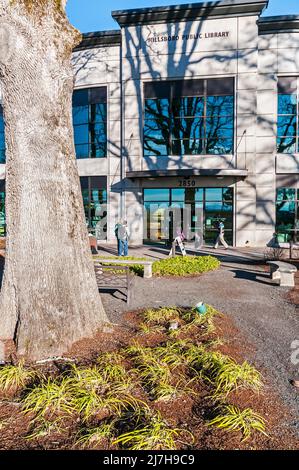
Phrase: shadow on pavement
(252, 276)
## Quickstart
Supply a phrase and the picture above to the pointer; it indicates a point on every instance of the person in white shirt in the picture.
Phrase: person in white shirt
(220, 237)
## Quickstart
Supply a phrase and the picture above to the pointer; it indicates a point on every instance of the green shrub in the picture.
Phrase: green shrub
(246, 421)
(178, 266)
(185, 265)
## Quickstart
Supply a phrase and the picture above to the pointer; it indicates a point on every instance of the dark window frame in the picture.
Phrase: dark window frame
(287, 85)
(87, 183)
(210, 87)
(91, 97)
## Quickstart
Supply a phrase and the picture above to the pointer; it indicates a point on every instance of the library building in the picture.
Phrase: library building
(193, 111)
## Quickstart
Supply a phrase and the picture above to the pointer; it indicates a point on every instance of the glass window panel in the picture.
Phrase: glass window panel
(2, 140)
(285, 215)
(198, 196)
(188, 88)
(84, 182)
(82, 151)
(98, 149)
(178, 194)
(2, 155)
(156, 129)
(158, 89)
(156, 195)
(216, 123)
(188, 128)
(287, 84)
(286, 126)
(287, 104)
(98, 95)
(192, 106)
(220, 86)
(80, 115)
(285, 194)
(213, 194)
(154, 109)
(81, 134)
(155, 147)
(227, 194)
(98, 112)
(97, 132)
(286, 145)
(1, 122)
(219, 146)
(187, 147)
(80, 97)
(220, 105)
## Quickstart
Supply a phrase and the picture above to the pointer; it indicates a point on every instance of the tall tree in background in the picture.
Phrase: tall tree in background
(49, 297)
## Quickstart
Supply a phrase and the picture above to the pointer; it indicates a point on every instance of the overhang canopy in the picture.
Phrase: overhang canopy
(185, 173)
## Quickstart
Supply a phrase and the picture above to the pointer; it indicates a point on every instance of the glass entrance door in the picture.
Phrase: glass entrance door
(196, 211)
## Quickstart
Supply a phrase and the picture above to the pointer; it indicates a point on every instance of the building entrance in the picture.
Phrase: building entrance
(194, 210)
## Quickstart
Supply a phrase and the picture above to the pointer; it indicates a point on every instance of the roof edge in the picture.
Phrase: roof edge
(99, 38)
(278, 24)
(188, 12)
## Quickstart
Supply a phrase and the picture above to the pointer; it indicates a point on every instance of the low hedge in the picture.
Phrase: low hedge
(185, 265)
(177, 266)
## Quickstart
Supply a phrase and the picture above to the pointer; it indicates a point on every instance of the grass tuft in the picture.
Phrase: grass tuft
(231, 418)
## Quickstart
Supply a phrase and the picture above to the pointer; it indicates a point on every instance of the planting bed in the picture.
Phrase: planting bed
(144, 386)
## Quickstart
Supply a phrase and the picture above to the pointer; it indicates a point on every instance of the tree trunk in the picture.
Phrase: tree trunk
(49, 297)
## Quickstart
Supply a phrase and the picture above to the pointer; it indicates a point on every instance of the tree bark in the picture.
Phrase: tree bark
(49, 297)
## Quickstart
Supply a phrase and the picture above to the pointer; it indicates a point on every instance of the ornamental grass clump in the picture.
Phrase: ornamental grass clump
(223, 372)
(90, 438)
(232, 418)
(50, 398)
(13, 379)
(161, 316)
(185, 265)
(155, 434)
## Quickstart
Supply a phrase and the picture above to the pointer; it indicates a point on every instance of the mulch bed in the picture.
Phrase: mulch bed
(189, 412)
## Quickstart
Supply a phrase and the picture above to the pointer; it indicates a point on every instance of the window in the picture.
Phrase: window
(189, 117)
(287, 115)
(90, 122)
(287, 215)
(200, 210)
(2, 209)
(2, 138)
(94, 193)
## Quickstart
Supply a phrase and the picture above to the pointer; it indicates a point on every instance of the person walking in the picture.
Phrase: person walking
(122, 235)
(220, 237)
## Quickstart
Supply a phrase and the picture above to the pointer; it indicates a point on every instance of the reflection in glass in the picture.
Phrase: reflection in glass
(90, 122)
(197, 209)
(286, 215)
(2, 137)
(189, 125)
(287, 115)
(94, 194)
(2, 211)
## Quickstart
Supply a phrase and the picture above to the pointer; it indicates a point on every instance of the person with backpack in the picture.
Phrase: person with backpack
(220, 237)
(122, 235)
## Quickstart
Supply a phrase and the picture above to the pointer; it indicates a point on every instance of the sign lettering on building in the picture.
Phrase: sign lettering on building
(160, 37)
